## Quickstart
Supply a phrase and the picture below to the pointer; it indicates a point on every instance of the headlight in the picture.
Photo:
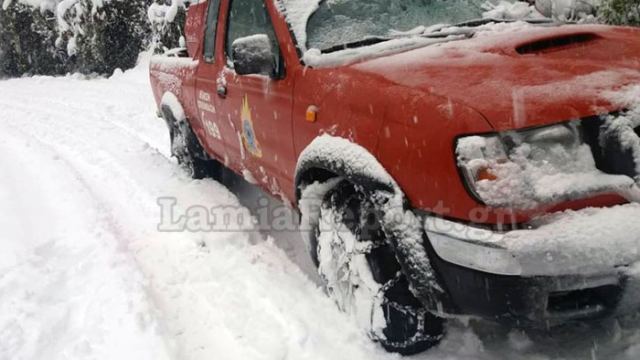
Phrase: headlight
(527, 168)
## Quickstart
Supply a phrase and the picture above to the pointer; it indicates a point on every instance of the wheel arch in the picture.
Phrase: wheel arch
(170, 106)
(329, 156)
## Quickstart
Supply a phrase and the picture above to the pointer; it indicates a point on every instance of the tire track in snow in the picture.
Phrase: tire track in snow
(70, 273)
(200, 318)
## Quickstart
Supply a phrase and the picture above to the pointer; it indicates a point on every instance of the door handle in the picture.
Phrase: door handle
(222, 91)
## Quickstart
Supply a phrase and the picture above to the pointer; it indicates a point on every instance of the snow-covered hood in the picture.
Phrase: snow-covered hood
(521, 76)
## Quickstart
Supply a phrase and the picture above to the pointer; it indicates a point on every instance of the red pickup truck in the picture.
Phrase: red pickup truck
(444, 164)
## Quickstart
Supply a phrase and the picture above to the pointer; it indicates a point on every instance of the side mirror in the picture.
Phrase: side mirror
(253, 55)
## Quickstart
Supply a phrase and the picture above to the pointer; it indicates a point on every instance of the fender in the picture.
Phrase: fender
(327, 158)
(174, 116)
(172, 112)
(330, 156)
(171, 103)
(321, 165)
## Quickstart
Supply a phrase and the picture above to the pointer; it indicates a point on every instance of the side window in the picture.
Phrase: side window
(210, 30)
(246, 18)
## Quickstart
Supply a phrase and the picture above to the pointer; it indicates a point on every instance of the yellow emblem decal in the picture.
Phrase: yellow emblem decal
(248, 134)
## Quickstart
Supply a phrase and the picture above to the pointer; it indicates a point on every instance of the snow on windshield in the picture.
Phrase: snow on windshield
(325, 24)
(338, 22)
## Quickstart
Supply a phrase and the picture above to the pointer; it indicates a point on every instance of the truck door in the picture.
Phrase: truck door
(258, 106)
(213, 131)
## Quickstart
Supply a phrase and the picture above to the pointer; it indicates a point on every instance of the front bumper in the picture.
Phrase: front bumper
(571, 266)
(540, 301)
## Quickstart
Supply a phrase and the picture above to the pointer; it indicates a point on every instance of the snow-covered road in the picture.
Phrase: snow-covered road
(85, 273)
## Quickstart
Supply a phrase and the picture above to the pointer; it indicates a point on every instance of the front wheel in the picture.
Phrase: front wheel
(363, 276)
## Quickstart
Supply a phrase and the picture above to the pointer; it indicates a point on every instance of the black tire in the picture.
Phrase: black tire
(407, 327)
(186, 148)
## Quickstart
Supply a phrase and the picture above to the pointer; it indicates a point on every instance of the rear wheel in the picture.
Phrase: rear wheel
(186, 148)
(363, 276)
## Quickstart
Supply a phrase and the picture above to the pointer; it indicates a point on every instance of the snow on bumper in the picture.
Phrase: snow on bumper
(568, 266)
(586, 242)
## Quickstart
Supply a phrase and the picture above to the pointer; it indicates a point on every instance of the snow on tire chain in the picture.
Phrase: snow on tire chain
(85, 273)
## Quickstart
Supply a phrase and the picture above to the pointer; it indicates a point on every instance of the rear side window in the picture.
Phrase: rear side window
(210, 30)
(246, 18)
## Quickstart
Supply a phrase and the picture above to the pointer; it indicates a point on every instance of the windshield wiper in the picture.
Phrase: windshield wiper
(356, 44)
(484, 21)
(378, 39)
(467, 33)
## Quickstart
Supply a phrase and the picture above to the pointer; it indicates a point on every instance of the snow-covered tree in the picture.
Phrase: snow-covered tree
(28, 41)
(105, 34)
(167, 19)
(620, 12)
(57, 36)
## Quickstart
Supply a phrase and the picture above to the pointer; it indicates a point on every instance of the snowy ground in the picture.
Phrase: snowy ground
(85, 273)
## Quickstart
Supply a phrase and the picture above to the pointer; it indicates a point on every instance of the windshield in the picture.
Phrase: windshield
(338, 22)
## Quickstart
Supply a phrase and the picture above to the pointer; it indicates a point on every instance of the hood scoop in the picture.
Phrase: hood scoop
(556, 43)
